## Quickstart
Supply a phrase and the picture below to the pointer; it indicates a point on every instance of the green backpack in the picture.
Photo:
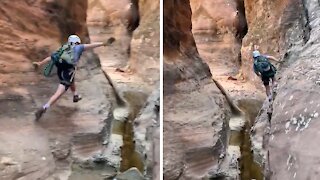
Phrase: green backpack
(260, 63)
(63, 54)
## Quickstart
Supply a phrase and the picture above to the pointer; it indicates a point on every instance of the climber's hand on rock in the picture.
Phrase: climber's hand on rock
(36, 65)
(109, 41)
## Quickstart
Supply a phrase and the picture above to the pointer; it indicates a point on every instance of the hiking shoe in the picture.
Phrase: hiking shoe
(39, 113)
(76, 98)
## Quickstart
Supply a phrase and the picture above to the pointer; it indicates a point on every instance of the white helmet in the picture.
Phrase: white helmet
(255, 54)
(73, 39)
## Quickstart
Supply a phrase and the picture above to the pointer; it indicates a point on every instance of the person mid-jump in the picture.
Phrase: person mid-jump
(66, 59)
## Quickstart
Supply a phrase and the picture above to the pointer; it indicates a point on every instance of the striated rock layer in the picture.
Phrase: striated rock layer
(147, 135)
(218, 28)
(274, 26)
(288, 29)
(145, 43)
(68, 132)
(141, 143)
(195, 112)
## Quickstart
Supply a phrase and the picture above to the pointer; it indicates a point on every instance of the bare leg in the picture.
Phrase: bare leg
(273, 82)
(60, 91)
(267, 90)
(73, 89)
(76, 97)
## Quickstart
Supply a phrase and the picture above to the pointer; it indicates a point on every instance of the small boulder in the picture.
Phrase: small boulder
(7, 161)
(132, 173)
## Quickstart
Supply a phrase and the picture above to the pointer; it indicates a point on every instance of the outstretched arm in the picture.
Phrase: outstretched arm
(93, 45)
(99, 44)
(274, 59)
(44, 61)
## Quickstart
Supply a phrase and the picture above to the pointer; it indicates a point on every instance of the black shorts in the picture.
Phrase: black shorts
(66, 76)
(266, 76)
(266, 80)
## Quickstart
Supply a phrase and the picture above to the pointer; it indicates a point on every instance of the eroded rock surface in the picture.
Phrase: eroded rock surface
(288, 29)
(277, 27)
(195, 112)
(68, 132)
(141, 76)
(284, 29)
(145, 43)
(147, 135)
(218, 28)
(117, 19)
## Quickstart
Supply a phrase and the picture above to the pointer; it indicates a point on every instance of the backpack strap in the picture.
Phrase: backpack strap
(63, 48)
(67, 57)
(55, 57)
(274, 69)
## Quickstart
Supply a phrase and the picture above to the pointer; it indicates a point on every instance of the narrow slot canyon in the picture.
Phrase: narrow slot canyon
(219, 40)
(226, 128)
(240, 143)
